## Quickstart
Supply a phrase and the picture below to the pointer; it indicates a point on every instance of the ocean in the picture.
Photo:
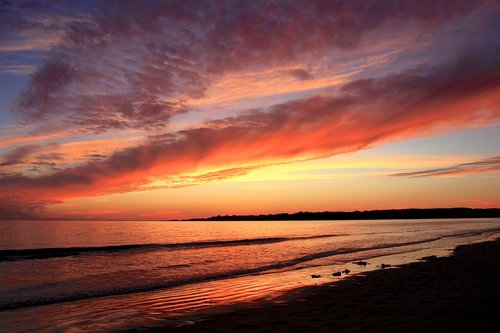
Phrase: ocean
(87, 276)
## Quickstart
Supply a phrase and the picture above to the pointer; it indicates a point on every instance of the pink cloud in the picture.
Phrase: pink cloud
(126, 65)
(364, 113)
(18, 155)
(26, 28)
(131, 65)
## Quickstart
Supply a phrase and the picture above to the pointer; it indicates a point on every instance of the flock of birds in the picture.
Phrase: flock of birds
(347, 271)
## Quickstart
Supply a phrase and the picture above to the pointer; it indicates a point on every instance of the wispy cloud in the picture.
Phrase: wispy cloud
(18, 155)
(18, 69)
(487, 165)
(26, 26)
(197, 179)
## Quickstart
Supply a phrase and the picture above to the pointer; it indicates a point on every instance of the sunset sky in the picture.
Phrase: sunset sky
(180, 109)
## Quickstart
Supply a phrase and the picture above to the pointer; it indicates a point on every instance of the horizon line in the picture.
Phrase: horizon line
(211, 218)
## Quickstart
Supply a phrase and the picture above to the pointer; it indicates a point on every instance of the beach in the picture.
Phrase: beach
(459, 293)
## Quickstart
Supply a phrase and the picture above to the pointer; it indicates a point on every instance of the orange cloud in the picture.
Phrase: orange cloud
(364, 113)
(153, 67)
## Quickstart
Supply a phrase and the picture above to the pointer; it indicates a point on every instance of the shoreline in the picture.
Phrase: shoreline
(380, 214)
(453, 294)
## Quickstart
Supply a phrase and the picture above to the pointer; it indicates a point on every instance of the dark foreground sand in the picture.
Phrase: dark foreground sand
(460, 293)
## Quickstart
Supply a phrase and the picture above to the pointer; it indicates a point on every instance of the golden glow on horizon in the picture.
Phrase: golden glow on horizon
(292, 196)
(335, 183)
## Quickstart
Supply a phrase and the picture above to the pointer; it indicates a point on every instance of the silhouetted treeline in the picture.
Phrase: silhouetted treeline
(411, 213)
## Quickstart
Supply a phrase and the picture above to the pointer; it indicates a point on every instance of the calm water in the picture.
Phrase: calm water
(85, 276)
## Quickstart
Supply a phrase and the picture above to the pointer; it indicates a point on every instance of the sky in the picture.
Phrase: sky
(180, 109)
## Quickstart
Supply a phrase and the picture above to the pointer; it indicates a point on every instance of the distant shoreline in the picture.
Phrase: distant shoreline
(387, 214)
(382, 214)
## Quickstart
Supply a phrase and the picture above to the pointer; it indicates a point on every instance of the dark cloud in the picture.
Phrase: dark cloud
(28, 25)
(487, 165)
(19, 208)
(126, 64)
(96, 157)
(42, 152)
(49, 156)
(18, 155)
(300, 74)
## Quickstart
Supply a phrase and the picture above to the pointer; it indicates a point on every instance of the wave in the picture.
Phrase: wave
(226, 275)
(47, 253)
(472, 233)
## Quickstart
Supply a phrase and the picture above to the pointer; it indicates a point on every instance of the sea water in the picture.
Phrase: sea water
(86, 276)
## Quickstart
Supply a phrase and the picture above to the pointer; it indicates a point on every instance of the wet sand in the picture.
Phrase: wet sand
(460, 293)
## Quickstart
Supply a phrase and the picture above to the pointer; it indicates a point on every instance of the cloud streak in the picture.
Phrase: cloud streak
(18, 155)
(487, 165)
(24, 27)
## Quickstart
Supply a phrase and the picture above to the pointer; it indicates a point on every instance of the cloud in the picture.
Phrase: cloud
(125, 64)
(363, 113)
(209, 177)
(487, 165)
(22, 208)
(18, 155)
(128, 65)
(28, 26)
(300, 74)
(16, 69)
(31, 159)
